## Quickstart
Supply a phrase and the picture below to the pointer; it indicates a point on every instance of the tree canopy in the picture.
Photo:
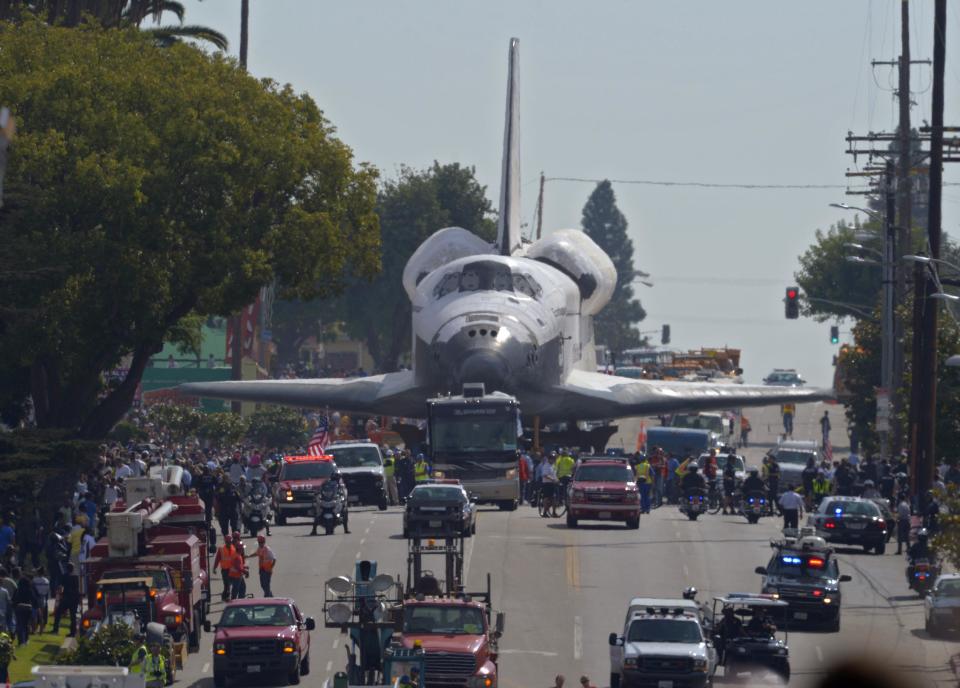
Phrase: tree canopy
(378, 312)
(149, 184)
(615, 325)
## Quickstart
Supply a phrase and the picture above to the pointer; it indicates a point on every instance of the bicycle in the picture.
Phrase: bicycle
(714, 498)
(552, 506)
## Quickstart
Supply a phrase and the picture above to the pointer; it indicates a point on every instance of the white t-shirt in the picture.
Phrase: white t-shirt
(124, 471)
(548, 473)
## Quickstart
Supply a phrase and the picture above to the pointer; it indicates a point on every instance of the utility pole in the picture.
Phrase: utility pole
(236, 322)
(888, 343)
(925, 448)
(540, 206)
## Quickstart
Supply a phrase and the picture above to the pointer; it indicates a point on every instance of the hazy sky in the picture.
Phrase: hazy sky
(758, 91)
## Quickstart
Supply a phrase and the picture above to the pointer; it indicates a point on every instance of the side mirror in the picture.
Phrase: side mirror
(311, 624)
(762, 570)
(845, 578)
(206, 626)
(500, 623)
(615, 640)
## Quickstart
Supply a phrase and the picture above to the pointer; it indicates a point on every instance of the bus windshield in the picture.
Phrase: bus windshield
(468, 434)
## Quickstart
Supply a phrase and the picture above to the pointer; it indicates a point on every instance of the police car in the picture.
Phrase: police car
(805, 574)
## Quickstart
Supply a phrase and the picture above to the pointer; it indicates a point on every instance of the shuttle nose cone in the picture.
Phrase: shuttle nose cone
(486, 366)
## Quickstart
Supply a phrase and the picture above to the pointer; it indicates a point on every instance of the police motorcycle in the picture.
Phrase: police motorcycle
(330, 506)
(256, 510)
(694, 502)
(922, 568)
(753, 506)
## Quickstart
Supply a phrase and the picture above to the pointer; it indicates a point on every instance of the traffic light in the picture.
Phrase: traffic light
(665, 335)
(834, 334)
(792, 303)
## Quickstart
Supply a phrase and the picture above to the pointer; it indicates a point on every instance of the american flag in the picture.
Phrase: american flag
(828, 450)
(320, 439)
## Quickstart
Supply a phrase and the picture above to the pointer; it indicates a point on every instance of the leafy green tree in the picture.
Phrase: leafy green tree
(174, 422)
(111, 645)
(278, 427)
(116, 14)
(615, 325)
(148, 185)
(222, 429)
(411, 208)
(833, 286)
(295, 321)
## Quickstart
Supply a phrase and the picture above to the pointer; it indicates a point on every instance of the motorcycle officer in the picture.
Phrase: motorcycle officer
(753, 482)
(337, 479)
(693, 480)
(729, 484)
(918, 550)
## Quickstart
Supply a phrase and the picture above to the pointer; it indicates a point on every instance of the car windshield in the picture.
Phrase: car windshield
(798, 565)
(355, 457)
(257, 615)
(437, 494)
(698, 422)
(783, 377)
(306, 470)
(603, 474)
(443, 619)
(949, 587)
(794, 457)
(664, 631)
(160, 579)
(852, 508)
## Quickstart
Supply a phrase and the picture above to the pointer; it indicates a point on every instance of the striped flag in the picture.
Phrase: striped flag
(321, 437)
(828, 450)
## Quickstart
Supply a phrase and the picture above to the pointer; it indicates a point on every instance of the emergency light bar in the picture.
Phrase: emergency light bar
(307, 457)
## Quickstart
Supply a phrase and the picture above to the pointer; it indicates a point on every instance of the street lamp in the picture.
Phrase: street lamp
(845, 206)
(859, 260)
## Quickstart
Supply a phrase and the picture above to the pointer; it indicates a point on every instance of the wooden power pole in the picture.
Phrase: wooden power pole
(236, 322)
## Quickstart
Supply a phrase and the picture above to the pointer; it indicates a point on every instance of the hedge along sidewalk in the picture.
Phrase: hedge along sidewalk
(41, 648)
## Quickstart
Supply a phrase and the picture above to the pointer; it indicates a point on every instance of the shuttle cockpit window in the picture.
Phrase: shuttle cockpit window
(487, 276)
(449, 284)
(526, 285)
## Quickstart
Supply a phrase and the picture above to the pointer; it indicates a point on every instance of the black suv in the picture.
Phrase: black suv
(809, 581)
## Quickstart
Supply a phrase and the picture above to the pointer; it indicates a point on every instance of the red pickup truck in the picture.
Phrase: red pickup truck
(604, 489)
(261, 637)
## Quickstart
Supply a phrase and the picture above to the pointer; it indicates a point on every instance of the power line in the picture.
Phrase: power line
(702, 185)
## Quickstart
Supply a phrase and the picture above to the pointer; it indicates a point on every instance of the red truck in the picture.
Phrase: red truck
(266, 637)
(300, 478)
(459, 646)
(604, 489)
(136, 547)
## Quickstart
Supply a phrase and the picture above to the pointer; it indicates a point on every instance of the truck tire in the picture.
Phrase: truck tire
(633, 523)
(305, 665)
(193, 638)
(509, 505)
(614, 680)
(293, 678)
(881, 548)
(571, 521)
(219, 679)
(382, 504)
(834, 625)
(281, 518)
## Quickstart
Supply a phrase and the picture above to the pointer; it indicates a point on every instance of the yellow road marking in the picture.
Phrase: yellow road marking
(573, 566)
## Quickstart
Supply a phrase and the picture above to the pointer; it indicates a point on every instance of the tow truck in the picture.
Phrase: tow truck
(430, 625)
(141, 544)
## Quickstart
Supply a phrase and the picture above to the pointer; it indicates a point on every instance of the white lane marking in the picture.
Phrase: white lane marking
(819, 653)
(336, 642)
(358, 555)
(541, 653)
(329, 666)
(362, 540)
(206, 668)
(367, 531)
(686, 571)
(577, 637)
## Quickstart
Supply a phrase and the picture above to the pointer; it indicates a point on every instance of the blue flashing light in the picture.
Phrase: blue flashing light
(795, 561)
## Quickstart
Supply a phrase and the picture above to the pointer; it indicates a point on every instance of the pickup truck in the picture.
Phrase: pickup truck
(267, 637)
(663, 643)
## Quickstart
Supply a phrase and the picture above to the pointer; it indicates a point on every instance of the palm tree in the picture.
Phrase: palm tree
(117, 14)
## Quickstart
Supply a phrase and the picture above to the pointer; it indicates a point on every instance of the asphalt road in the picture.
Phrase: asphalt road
(564, 591)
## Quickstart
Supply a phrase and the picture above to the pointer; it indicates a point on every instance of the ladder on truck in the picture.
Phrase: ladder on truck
(423, 581)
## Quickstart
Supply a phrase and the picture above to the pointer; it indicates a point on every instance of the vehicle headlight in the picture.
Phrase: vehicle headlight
(772, 590)
(438, 474)
(173, 619)
(289, 495)
(481, 681)
(630, 662)
(827, 600)
(220, 648)
(289, 647)
(782, 651)
(578, 494)
(699, 665)
(511, 474)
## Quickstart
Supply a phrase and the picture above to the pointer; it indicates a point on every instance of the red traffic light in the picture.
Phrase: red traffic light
(791, 293)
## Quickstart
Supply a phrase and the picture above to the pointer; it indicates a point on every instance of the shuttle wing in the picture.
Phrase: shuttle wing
(391, 394)
(588, 395)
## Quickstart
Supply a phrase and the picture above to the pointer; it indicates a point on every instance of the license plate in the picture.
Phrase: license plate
(607, 514)
(800, 615)
(253, 668)
(328, 515)
(664, 684)
(254, 518)
(856, 526)
(436, 524)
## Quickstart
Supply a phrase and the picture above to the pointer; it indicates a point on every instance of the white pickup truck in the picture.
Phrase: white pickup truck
(663, 644)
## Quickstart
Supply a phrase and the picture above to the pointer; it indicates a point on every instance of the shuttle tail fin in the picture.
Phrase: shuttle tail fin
(508, 228)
